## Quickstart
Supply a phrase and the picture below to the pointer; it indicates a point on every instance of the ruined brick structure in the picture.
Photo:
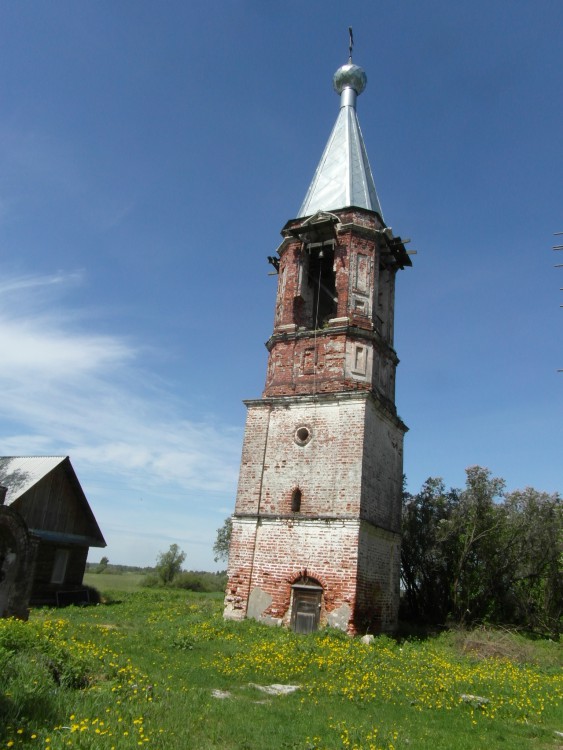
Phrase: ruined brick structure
(18, 549)
(316, 529)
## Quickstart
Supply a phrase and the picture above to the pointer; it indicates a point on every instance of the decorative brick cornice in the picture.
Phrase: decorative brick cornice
(292, 333)
(384, 407)
(346, 519)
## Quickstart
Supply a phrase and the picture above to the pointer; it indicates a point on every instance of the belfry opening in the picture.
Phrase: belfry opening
(321, 297)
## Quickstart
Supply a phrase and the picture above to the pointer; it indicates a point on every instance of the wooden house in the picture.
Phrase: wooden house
(45, 492)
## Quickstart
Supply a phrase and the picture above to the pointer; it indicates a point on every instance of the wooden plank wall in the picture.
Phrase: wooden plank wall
(43, 589)
(52, 505)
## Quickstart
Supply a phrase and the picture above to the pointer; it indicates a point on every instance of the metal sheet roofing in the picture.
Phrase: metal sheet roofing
(343, 177)
(19, 473)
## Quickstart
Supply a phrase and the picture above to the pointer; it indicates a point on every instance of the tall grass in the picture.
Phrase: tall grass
(162, 669)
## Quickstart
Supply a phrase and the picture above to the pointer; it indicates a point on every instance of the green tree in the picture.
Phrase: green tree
(223, 541)
(169, 564)
(102, 565)
(478, 555)
(471, 540)
(536, 523)
(425, 568)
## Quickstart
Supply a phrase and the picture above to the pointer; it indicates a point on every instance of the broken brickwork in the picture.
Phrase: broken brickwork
(318, 503)
(17, 563)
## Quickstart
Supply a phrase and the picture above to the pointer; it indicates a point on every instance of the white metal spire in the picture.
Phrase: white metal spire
(343, 177)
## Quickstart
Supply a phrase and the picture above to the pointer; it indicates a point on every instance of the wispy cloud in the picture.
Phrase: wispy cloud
(36, 343)
(19, 283)
(85, 393)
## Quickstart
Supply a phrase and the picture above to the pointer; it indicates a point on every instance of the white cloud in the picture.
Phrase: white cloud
(20, 283)
(38, 344)
(49, 353)
(84, 393)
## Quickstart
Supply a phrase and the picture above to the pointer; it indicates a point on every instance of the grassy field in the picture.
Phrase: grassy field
(114, 581)
(162, 669)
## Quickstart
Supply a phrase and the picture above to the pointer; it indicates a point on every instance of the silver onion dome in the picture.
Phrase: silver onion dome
(350, 76)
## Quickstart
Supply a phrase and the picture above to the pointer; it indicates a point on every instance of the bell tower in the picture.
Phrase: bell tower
(316, 528)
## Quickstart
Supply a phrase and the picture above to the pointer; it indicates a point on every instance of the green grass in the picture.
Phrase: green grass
(142, 671)
(105, 582)
(112, 581)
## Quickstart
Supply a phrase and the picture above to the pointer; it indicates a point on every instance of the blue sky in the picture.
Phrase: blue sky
(149, 155)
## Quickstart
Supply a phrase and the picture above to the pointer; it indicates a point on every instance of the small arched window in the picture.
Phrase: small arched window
(296, 500)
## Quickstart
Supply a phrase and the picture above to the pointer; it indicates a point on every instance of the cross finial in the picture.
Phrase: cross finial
(351, 42)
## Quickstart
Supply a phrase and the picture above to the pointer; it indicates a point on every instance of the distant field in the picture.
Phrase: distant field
(114, 581)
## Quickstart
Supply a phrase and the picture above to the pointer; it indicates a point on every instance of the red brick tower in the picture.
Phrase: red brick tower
(316, 529)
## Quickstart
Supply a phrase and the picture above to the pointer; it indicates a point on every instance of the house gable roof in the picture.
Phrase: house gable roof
(21, 475)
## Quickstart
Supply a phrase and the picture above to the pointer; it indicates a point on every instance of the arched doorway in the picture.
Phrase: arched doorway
(307, 597)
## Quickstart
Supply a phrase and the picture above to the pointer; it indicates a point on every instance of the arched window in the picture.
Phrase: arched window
(296, 500)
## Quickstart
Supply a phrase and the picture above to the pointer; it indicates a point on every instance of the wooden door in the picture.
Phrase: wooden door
(306, 609)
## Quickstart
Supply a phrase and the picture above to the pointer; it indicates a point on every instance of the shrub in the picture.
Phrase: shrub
(151, 581)
(35, 661)
(200, 581)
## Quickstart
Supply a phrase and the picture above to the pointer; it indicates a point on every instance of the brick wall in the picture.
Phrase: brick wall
(327, 467)
(348, 467)
(377, 600)
(271, 554)
(382, 468)
(319, 493)
(352, 350)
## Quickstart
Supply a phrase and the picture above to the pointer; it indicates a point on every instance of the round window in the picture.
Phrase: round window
(302, 435)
